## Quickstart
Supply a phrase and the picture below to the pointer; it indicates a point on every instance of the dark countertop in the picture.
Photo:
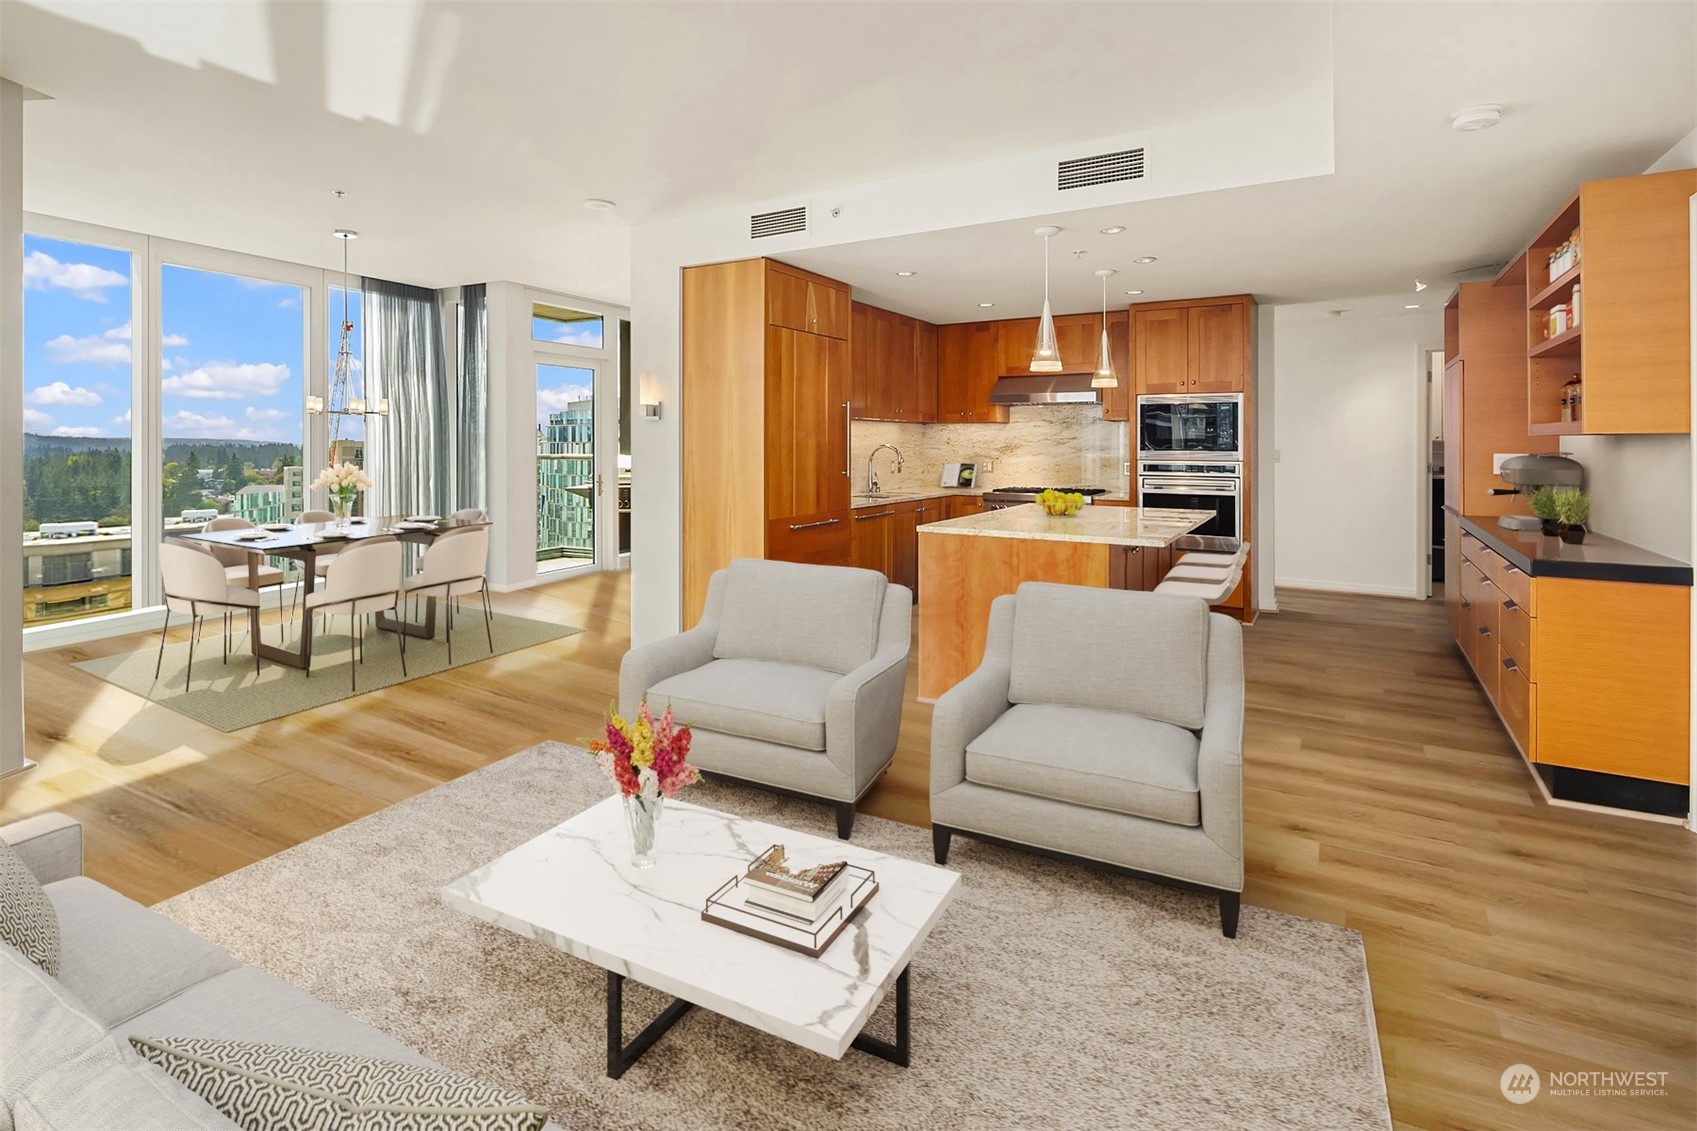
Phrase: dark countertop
(1598, 558)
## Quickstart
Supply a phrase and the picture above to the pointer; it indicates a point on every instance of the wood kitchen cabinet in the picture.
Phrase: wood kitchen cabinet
(765, 439)
(1117, 401)
(1077, 336)
(1139, 567)
(895, 366)
(886, 538)
(1193, 346)
(801, 300)
(968, 364)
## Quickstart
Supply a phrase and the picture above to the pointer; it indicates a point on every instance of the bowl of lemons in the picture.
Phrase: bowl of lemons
(1060, 502)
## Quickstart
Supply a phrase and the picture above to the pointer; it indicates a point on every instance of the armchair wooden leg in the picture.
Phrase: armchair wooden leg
(1229, 902)
(940, 843)
(845, 819)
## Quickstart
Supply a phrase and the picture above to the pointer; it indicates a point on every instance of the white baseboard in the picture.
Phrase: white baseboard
(1351, 587)
(45, 636)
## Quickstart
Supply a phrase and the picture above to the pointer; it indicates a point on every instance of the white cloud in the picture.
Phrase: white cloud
(227, 381)
(122, 421)
(36, 421)
(556, 400)
(62, 394)
(261, 424)
(78, 430)
(166, 365)
(110, 348)
(85, 280)
(580, 334)
(173, 340)
(290, 303)
(193, 424)
(262, 415)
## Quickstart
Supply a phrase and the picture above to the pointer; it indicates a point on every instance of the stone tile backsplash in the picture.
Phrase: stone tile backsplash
(1041, 445)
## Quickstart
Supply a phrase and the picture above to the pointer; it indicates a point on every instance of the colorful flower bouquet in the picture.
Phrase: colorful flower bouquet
(647, 759)
(344, 482)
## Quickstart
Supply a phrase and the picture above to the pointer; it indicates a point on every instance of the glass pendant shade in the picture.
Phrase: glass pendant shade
(1104, 377)
(1046, 355)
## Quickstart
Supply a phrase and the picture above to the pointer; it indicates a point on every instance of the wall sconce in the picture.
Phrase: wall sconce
(651, 410)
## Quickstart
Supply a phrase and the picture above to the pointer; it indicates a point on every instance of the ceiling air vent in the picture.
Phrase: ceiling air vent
(1102, 169)
(779, 223)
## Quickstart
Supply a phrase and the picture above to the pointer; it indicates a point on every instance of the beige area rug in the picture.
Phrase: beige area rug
(230, 696)
(1050, 995)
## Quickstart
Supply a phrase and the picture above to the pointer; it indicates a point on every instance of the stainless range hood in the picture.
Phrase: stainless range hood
(1044, 388)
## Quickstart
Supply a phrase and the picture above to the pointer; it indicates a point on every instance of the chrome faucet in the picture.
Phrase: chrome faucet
(872, 487)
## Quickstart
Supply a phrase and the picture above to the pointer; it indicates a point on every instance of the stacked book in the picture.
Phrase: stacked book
(803, 895)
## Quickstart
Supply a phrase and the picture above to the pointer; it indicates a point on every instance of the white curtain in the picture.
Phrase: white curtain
(409, 452)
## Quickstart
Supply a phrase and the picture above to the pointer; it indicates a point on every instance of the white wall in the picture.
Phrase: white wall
(11, 427)
(1350, 431)
(1641, 485)
(1272, 143)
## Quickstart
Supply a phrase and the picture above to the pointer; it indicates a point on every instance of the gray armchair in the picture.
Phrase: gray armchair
(792, 680)
(1105, 725)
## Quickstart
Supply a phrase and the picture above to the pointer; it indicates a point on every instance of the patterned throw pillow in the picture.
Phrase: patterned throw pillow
(27, 918)
(261, 1086)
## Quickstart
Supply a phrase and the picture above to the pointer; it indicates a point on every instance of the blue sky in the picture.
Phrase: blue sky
(231, 352)
(558, 386)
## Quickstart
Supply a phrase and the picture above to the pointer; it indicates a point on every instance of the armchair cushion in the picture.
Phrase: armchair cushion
(1111, 650)
(1099, 759)
(771, 702)
(823, 617)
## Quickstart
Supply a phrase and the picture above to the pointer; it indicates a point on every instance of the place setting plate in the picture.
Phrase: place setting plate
(253, 535)
(279, 527)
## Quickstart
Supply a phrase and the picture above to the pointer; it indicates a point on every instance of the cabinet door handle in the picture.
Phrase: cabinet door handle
(1508, 603)
(811, 525)
(880, 514)
(848, 441)
(1466, 604)
(1510, 664)
(1484, 630)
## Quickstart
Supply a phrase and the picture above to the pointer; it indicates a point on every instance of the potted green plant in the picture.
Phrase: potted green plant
(1543, 503)
(1573, 508)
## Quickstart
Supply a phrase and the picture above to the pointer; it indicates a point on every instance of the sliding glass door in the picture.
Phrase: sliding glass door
(567, 480)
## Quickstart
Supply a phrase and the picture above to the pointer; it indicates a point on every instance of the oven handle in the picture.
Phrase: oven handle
(1168, 487)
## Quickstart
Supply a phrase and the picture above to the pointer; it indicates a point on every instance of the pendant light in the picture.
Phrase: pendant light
(1104, 378)
(1046, 357)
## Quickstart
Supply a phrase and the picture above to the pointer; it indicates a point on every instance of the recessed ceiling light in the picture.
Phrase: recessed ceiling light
(1113, 231)
(986, 304)
(1336, 313)
(1134, 292)
(1480, 117)
(1144, 259)
(1419, 286)
(1411, 306)
(905, 274)
(345, 234)
(599, 204)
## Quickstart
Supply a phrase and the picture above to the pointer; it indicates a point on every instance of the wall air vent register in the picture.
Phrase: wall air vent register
(1102, 169)
(783, 222)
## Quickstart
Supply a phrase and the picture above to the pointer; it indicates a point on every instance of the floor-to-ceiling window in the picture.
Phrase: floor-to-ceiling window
(78, 365)
(232, 355)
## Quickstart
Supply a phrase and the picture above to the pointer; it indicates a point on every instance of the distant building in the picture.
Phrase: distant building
(348, 451)
(565, 483)
(294, 492)
(76, 575)
(260, 504)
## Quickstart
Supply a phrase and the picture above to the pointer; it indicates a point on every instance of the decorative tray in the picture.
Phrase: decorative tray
(728, 908)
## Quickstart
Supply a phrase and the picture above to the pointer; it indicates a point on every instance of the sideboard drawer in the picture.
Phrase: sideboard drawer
(1514, 637)
(1513, 583)
(814, 539)
(1514, 700)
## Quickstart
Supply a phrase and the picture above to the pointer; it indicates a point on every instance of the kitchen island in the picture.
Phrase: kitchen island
(965, 563)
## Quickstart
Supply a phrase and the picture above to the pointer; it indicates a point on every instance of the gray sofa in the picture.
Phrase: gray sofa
(1104, 725)
(793, 678)
(134, 972)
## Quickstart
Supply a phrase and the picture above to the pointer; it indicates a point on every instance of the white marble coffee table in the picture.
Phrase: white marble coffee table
(574, 889)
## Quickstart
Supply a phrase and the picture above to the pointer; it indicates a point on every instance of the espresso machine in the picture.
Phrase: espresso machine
(1525, 474)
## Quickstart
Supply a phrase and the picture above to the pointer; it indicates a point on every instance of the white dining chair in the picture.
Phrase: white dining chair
(321, 560)
(235, 561)
(196, 583)
(455, 565)
(363, 578)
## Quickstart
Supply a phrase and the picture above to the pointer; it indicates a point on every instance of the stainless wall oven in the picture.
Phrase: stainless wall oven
(1190, 426)
(1216, 487)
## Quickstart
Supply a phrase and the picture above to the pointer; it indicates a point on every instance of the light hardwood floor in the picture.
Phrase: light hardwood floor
(1381, 794)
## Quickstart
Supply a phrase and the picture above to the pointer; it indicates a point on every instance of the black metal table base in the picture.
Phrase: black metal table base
(621, 1056)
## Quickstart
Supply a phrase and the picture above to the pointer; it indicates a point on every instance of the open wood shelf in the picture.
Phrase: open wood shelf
(1557, 291)
(1565, 344)
(1558, 428)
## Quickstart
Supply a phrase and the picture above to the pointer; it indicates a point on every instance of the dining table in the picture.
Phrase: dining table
(306, 543)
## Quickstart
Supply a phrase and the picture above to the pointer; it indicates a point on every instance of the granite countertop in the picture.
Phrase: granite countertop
(1598, 558)
(1112, 526)
(858, 501)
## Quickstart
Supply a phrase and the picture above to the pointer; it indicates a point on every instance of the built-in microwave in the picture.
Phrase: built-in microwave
(1190, 426)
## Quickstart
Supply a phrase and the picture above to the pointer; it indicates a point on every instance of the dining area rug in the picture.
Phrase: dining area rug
(228, 695)
(1050, 996)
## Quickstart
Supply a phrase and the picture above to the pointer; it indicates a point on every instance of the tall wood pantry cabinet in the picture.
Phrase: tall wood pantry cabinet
(765, 414)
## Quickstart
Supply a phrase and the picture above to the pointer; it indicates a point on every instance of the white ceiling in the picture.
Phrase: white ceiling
(468, 133)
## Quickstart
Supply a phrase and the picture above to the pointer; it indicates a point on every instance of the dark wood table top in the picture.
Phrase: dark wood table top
(310, 535)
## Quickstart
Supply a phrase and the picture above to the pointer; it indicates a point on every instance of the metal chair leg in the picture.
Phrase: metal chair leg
(188, 672)
(450, 619)
(353, 657)
(487, 630)
(163, 629)
(403, 635)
